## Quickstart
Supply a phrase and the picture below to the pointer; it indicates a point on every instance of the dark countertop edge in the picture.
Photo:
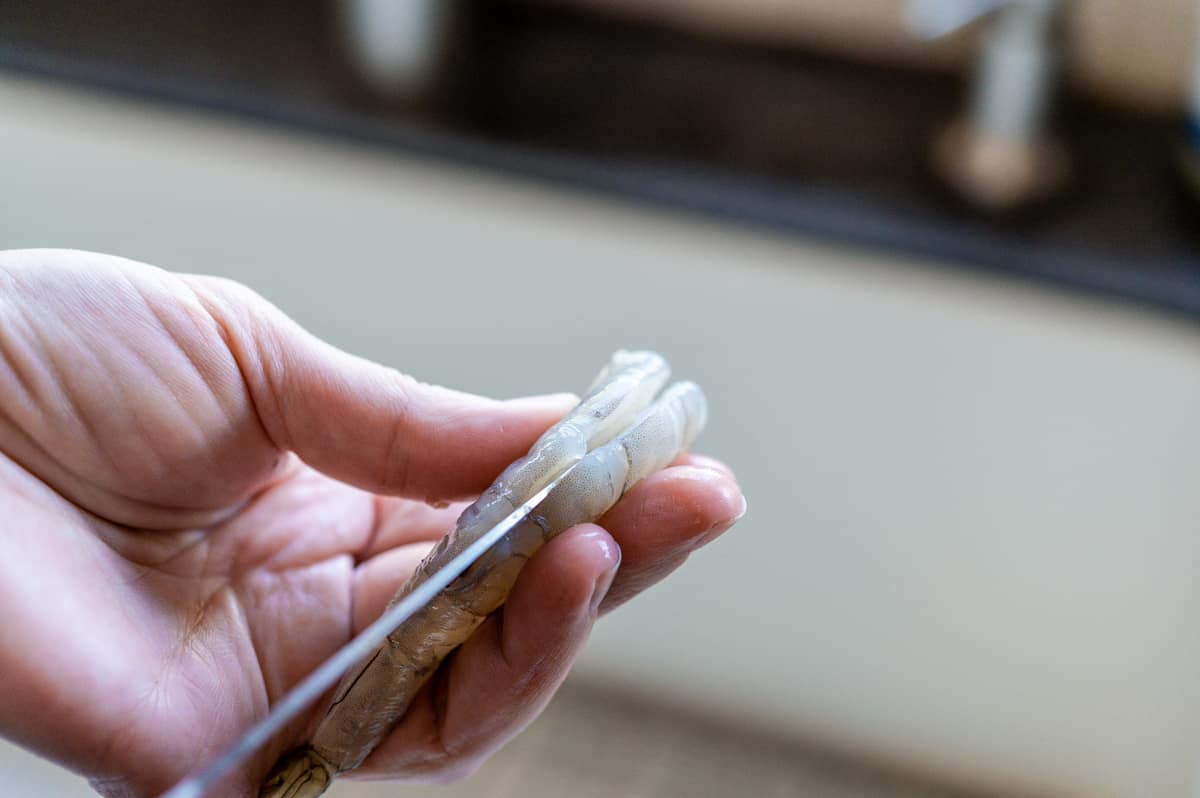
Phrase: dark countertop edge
(823, 214)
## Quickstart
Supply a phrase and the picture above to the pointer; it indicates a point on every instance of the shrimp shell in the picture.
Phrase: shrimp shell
(603, 465)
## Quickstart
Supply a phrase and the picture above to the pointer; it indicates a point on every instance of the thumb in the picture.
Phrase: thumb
(361, 422)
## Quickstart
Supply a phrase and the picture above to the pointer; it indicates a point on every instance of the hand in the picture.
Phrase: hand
(202, 502)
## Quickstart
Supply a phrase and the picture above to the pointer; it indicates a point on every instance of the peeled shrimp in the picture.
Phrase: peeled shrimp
(617, 435)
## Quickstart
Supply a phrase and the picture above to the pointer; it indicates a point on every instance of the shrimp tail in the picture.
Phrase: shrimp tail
(300, 773)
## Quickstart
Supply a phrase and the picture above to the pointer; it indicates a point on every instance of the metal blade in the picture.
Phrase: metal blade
(316, 683)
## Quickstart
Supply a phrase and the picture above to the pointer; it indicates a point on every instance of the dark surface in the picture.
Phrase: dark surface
(781, 139)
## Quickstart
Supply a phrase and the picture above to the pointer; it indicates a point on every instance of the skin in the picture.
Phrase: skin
(201, 502)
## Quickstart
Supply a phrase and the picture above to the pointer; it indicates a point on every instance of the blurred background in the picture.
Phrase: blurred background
(937, 265)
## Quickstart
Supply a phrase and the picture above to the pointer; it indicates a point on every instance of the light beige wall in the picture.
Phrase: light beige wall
(972, 541)
(1135, 53)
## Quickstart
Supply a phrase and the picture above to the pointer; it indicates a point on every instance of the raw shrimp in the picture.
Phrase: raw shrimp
(605, 445)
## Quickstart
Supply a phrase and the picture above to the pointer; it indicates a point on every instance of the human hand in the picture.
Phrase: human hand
(203, 502)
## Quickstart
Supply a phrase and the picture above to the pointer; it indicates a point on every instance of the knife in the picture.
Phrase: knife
(328, 673)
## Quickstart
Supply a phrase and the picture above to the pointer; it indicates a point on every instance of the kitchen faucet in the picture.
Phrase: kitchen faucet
(1000, 155)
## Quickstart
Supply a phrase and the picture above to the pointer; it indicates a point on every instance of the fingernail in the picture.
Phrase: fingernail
(742, 509)
(711, 463)
(600, 591)
(721, 527)
(605, 580)
(732, 497)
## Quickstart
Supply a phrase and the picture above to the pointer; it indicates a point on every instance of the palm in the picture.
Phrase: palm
(189, 635)
(171, 569)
